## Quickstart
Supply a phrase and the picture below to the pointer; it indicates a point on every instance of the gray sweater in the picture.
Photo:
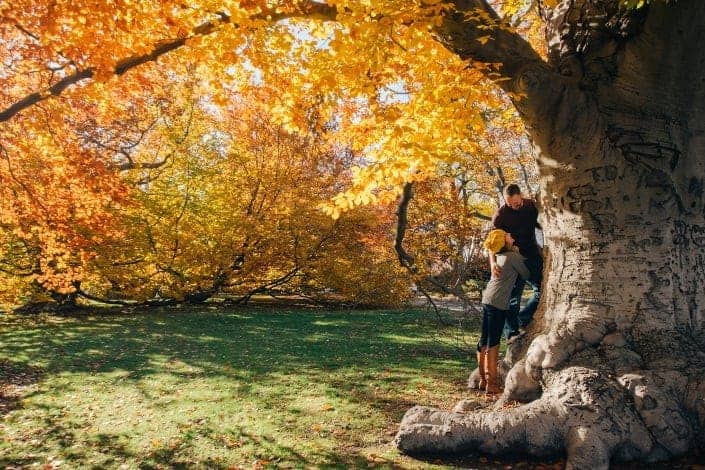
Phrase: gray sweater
(498, 291)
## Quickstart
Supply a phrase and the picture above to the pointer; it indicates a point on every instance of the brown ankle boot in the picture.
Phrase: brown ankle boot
(492, 356)
(482, 369)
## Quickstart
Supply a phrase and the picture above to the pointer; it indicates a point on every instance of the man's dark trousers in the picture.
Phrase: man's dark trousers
(521, 318)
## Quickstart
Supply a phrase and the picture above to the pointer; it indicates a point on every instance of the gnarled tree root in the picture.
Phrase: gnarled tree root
(585, 412)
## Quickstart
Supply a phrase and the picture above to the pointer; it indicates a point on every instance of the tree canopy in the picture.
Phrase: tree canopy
(151, 147)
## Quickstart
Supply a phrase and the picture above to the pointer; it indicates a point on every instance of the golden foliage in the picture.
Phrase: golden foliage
(207, 167)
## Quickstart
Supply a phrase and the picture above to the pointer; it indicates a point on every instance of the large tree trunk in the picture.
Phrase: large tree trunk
(614, 365)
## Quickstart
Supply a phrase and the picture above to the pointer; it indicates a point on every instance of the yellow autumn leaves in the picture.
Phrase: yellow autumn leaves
(161, 179)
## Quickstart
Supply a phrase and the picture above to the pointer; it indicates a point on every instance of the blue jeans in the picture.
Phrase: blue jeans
(517, 317)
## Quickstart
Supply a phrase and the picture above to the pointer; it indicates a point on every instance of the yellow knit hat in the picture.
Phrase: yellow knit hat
(495, 241)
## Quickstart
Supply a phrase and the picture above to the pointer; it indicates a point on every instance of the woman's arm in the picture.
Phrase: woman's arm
(518, 264)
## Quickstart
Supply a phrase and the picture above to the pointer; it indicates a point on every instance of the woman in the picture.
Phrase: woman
(495, 304)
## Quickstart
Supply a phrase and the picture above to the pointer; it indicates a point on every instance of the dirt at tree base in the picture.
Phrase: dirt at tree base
(521, 462)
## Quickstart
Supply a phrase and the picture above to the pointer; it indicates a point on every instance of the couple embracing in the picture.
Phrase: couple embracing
(515, 260)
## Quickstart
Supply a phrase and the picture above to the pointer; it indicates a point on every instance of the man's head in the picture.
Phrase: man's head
(512, 194)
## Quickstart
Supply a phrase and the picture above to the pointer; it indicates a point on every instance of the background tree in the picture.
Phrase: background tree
(217, 200)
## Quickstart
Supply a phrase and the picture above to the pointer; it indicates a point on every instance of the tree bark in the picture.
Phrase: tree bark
(614, 364)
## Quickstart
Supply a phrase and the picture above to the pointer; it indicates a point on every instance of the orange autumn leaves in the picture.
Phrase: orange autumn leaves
(58, 205)
(185, 200)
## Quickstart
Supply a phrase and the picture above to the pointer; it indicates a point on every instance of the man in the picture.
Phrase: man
(519, 217)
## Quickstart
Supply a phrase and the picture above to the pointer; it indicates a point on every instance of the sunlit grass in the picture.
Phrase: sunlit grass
(211, 388)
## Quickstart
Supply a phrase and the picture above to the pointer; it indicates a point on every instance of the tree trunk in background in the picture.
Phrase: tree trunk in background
(614, 364)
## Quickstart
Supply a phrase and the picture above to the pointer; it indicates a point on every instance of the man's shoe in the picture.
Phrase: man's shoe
(515, 335)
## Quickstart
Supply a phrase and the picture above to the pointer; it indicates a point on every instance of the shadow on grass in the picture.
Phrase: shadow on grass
(245, 348)
(479, 461)
(15, 379)
(270, 454)
(248, 345)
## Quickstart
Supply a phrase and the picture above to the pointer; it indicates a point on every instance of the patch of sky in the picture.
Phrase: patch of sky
(367, 157)
(393, 93)
(209, 106)
(362, 109)
(304, 32)
(256, 78)
(217, 141)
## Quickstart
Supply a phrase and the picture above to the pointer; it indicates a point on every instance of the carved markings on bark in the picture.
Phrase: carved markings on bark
(638, 208)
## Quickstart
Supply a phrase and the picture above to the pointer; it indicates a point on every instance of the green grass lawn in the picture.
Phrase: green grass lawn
(211, 388)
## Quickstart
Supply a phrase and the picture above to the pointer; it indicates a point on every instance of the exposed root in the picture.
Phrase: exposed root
(593, 398)
(520, 384)
(655, 399)
(427, 430)
(582, 412)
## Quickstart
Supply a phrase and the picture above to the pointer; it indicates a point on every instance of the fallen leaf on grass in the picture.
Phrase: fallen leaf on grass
(175, 444)
(375, 459)
(232, 443)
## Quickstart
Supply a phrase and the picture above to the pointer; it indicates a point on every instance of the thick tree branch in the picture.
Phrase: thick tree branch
(424, 283)
(80, 292)
(480, 215)
(54, 90)
(475, 31)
